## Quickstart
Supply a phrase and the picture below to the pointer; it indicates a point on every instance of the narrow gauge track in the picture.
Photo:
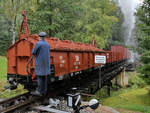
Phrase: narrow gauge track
(19, 101)
(22, 102)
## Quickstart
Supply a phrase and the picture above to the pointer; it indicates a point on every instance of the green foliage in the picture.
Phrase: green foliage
(145, 58)
(135, 107)
(11, 8)
(136, 81)
(143, 38)
(5, 39)
(148, 88)
(144, 68)
(131, 99)
(3, 68)
(10, 20)
(117, 37)
(7, 94)
(99, 20)
(135, 98)
(77, 20)
(3, 81)
(57, 18)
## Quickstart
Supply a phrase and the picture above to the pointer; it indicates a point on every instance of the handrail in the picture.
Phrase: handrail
(27, 66)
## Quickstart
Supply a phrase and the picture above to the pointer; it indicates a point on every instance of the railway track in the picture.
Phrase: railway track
(23, 101)
(17, 102)
(20, 103)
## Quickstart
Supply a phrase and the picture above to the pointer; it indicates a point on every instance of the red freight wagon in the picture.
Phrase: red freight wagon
(123, 57)
(115, 53)
(125, 53)
(66, 56)
(119, 51)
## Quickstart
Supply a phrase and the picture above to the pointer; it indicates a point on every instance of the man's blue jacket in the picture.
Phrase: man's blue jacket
(42, 58)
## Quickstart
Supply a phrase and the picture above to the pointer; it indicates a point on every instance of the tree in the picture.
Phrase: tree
(98, 20)
(12, 8)
(5, 28)
(117, 30)
(143, 38)
(143, 26)
(57, 18)
(77, 20)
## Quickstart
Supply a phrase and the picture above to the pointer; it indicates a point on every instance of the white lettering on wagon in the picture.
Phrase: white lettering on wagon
(77, 58)
(60, 57)
(62, 61)
(61, 65)
(76, 67)
(77, 62)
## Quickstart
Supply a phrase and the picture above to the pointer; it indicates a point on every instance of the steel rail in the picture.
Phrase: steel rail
(9, 105)
(20, 105)
(9, 100)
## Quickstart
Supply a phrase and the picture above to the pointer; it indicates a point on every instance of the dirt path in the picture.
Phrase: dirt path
(126, 111)
(106, 109)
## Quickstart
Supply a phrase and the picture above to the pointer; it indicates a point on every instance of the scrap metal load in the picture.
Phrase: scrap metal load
(66, 57)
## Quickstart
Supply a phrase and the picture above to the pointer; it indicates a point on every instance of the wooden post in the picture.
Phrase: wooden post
(100, 80)
(109, 85)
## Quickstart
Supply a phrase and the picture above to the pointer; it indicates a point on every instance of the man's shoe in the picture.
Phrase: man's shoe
(36, 93)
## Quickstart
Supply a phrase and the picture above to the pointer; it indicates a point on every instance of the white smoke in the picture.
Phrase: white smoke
(128, 8)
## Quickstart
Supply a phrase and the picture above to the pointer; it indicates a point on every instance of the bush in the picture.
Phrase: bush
(148, 88)
(136, 81)
(144, 68)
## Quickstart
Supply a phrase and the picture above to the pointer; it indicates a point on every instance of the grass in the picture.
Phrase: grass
(3, 81)
(136, 98)
(130, 96)
(131, 99)
(3, 68)
(134, 107)
(11, 93)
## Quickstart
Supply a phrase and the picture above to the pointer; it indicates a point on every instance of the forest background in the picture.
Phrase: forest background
(77, 20)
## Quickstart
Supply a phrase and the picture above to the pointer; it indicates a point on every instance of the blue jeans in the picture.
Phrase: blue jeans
(42, 84)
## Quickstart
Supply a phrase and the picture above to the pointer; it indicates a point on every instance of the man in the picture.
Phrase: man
(42, 64)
